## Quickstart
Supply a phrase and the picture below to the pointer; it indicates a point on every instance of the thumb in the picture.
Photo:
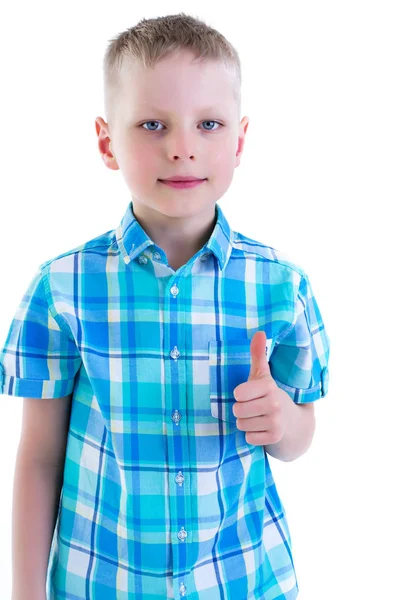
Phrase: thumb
(259, 363)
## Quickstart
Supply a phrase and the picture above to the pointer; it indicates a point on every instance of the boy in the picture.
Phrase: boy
(171, 356)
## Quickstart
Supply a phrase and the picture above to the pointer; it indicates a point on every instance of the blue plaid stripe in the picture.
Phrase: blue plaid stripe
(162, 495)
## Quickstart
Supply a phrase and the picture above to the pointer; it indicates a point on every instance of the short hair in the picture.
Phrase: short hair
(151, 40)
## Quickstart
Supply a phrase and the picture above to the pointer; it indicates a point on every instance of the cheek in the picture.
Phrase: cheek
(221, 164)
(222, 157)
(140, 161)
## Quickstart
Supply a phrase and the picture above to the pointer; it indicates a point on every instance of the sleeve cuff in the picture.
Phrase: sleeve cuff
(301, 395)
(34, 388)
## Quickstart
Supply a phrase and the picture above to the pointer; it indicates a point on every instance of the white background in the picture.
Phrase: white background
(319, 180)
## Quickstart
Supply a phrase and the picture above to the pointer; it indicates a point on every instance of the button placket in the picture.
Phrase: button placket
(176, 418)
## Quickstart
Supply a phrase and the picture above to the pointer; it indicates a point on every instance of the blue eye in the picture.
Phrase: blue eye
(158, 122)
(212, 122)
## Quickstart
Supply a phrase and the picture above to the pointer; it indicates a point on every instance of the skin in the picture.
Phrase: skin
(179, 136)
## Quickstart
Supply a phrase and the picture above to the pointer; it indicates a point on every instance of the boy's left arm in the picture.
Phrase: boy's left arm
(268, 414)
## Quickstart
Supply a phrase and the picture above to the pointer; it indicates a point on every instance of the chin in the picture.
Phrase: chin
(181, 209)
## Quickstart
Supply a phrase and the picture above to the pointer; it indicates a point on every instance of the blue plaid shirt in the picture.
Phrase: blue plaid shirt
(162, 496)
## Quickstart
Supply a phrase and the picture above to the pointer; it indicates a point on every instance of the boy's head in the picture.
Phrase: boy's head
(172, 102)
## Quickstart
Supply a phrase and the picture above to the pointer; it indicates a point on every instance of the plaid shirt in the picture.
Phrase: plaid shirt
(162, 496)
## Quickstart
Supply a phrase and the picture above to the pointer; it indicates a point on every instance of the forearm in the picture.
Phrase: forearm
(36, 495)
(299, 432)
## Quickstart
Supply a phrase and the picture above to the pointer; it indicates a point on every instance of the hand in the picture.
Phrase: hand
(260, 406)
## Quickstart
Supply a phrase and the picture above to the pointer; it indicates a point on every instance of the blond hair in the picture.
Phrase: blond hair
(151, 40)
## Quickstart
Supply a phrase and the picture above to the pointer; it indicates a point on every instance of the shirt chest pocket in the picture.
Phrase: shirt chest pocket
(229, 364)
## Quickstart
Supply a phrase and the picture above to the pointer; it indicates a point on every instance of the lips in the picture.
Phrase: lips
(182, 178)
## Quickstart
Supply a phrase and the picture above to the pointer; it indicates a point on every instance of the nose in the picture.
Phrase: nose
(182, 145)
(177, 157)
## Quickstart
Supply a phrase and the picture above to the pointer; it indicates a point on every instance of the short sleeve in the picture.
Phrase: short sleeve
(39, 358)
(299, 361)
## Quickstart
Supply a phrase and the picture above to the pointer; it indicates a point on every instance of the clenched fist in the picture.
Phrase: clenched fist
(261, 407)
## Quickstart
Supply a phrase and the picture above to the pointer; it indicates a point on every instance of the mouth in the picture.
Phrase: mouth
(182, 184)
(183, 178)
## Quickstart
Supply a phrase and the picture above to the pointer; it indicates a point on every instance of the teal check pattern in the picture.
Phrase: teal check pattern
(162, 496)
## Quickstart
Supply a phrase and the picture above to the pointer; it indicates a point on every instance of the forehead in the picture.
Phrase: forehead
(177, 82)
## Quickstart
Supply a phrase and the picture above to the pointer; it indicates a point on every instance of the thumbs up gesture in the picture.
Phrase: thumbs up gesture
(261, 407)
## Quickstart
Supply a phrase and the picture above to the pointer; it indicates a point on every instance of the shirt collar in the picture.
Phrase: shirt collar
(132, 240)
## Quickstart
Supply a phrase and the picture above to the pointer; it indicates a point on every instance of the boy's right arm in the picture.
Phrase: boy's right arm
(38, 482)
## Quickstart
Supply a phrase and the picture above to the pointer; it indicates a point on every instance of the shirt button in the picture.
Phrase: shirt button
(182, 535)
(143, 260)
(179, 478)
(205, 257)
(175, 353)
(182, 589)
(174, 290)
(157, 256)
(176, 417)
